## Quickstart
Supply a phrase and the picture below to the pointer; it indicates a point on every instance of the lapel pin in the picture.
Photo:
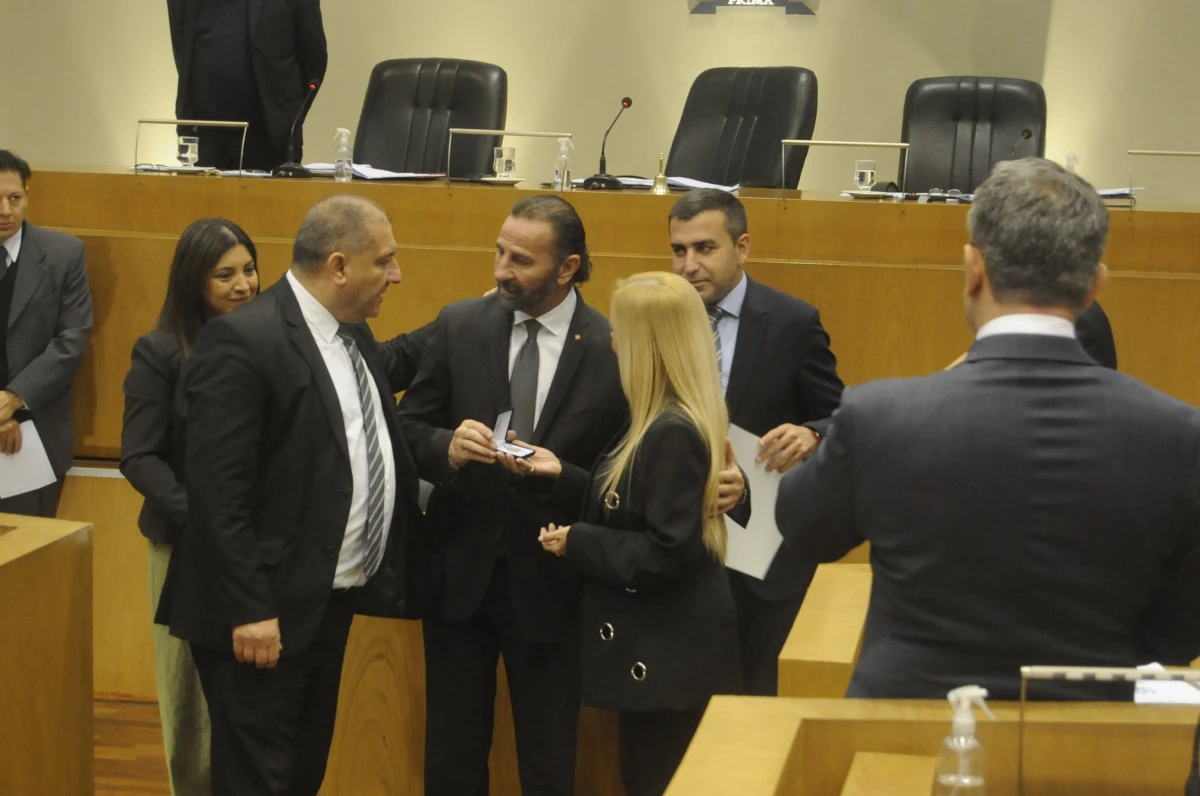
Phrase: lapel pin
(578, 337)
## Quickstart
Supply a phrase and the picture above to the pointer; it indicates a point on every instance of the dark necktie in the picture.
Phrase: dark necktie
(375, 467)
(4, 261)
(715, 314)
(523, 384)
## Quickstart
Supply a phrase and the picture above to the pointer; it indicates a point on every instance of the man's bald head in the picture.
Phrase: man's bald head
(340, 223)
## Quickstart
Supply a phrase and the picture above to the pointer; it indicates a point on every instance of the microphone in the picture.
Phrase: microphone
(1025, 135)
(603, 181)
(292, 169)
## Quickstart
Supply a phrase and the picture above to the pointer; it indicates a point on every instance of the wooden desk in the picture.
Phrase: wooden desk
(805, 747)
(884, 275)
(820, 653)
(46, 663)
(876, 774)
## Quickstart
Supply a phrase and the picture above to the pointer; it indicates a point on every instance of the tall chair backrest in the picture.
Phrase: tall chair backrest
(412, 103)
(957, 128)
(733, 122)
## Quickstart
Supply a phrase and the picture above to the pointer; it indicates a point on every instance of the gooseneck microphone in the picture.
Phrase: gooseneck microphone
(292, 169)
(603, 181)
(1025, 135)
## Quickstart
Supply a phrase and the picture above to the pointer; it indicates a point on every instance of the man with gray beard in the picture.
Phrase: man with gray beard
(532, 347)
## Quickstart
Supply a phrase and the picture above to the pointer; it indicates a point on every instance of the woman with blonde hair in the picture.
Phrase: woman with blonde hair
(659, 624)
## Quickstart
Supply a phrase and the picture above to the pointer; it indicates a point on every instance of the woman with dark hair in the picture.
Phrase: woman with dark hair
(214, 272)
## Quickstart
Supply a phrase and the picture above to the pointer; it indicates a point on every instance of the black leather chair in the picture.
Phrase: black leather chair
(733, 122)
(957, 128)
(412, 103)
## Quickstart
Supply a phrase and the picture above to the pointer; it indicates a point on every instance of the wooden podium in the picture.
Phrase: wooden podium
(46, 662)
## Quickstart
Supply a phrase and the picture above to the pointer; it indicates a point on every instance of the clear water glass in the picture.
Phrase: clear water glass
(864, 174)
(189, 150)
(504, 161)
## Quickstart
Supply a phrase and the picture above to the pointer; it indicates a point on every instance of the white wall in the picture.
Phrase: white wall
(81, 71)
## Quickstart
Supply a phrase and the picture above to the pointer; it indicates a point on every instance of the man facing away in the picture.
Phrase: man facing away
(1027, 507)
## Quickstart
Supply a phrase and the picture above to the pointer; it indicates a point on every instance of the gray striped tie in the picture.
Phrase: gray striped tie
(375, 468)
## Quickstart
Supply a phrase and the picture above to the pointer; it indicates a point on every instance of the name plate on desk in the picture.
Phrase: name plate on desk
(806, 7)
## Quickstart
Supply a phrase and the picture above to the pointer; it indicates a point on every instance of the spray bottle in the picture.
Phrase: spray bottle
(960, 764)
(562, 165)
(343, 168)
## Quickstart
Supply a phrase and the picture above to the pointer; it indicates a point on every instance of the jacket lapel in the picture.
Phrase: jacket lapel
(302, 338)
(499, 339)
(31, 270)
(752, 326)
(572, 354)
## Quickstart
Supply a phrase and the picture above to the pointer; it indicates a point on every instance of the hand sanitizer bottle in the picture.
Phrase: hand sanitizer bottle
(343, 168)
(960, 764)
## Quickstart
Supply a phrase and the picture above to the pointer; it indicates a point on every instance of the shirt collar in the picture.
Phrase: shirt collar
(1027, 323)
(319, 319)
(732, 304)
(557, 320)
(13, 244)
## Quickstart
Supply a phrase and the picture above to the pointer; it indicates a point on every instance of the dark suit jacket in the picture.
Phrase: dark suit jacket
(1095, 335)
(654, 595)
(1026, 507)
(402, 356)
(783, 372)
(153, 440)
(288, 49)
(269, 484)
(484, 512)
(49, 323)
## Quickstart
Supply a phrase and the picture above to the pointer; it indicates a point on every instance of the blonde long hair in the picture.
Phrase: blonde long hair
(668, 363)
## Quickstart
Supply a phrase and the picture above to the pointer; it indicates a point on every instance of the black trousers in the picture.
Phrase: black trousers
(272, 728)
(460, 689)
(220, 147)
(763, 627)
(652, 746)
(38, 503)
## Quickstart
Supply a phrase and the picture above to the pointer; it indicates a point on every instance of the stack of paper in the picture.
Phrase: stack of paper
(365, 172)
(1164, 692)
(752, 549)
(682, 183)
(29, 468)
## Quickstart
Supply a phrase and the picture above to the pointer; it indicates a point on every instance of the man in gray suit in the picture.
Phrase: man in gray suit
(1028, 506)
(45, 321)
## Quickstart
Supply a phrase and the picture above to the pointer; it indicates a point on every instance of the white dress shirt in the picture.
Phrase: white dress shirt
(13, 244)
(727, 328)
(324, 328)
(551, 340)
(1027, 323)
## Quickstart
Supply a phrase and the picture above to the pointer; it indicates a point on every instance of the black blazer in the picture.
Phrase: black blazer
(1026, 507)
(654, 595)
(1095, 335)
(269, 485)
(402, 356)
(784, 371)
(288, 49)
(484, 512)
(153, 435)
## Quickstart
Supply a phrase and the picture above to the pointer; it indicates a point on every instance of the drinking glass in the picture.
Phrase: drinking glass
(864, 174)
(504, 161)
(189, 149)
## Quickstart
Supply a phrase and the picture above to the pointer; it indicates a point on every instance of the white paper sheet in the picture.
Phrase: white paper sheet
(28, 469)
(683, 183)
(752, 549)
(1164, 692)
(365, 172)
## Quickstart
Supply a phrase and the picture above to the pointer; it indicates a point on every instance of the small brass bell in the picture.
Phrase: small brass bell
(661, 187)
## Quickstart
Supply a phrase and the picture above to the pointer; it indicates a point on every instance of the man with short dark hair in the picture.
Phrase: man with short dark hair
(45, 322)
(1027, 506)
(781, 383)
(535, 348)
(303, 501)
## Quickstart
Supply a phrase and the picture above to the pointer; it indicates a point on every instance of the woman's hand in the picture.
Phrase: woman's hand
(554, 539)
(542, 463)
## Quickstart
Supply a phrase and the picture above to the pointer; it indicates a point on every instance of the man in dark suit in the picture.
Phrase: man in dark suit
(303, 503)
(45, 322)
(1027, 506)
(781, 383)
(246, 61)
(533, 347)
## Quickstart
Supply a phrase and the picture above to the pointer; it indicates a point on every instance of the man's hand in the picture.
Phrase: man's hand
(472, 443)
(731, 484)
(786, 447)
(10, 437)
(258, 643)
(542, 463)
(9, 404)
